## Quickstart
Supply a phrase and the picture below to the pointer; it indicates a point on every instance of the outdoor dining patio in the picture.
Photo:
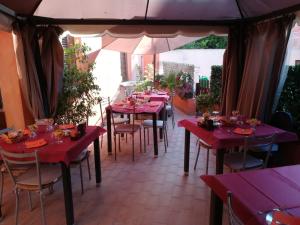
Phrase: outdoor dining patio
(165, 148)
(148, 191)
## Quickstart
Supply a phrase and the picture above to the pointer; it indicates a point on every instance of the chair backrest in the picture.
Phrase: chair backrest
(282, 120)
(233, 219)
(132, 111)
(264, 141)
(103, 102)
(13, 162)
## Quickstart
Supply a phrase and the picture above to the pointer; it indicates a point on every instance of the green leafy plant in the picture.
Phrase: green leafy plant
(210, 42)
(184, 85)
(203, 102)
(79, 92)
(142, 85)
(290, 97)
(216, 84)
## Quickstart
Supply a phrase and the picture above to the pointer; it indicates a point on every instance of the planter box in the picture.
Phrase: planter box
(188, 106)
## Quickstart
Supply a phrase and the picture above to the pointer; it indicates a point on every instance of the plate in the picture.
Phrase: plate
(243, 131)
(66, 126)
(36, 143)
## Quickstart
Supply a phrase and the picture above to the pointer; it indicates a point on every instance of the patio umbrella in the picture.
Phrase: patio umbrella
(145, 45)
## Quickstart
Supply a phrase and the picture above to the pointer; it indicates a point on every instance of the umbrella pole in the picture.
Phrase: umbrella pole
(154, 67)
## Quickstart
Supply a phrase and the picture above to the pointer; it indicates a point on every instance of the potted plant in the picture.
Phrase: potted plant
(79, 92)
(203, 102)
(183, 99)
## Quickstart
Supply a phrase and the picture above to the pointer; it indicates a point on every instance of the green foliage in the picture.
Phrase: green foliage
(204, 102)
(290, 97)
(184, 85)
(216, 84)
(210, 42)
(79, 93)
(142, 85)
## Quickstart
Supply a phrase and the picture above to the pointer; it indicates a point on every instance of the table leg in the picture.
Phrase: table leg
(97, 161)
(109, 143)
(220, 161)
(67, 185)
(187, 151)
(216, 210)
(155, 134)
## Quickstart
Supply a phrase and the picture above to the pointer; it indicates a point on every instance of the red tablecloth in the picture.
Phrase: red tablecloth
(259, 190)
(54, 152)
(160, 96)
(150, 107)
(224, 137)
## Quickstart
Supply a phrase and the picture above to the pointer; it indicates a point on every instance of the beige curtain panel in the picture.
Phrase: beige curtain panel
(265, 52)
(231, 72)
(52, 57)
(27, 72)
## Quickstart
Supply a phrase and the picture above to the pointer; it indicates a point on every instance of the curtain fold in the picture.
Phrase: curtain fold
(39, 67)
(232, 70)
(52, 59)
(26, 67)
(264, 55)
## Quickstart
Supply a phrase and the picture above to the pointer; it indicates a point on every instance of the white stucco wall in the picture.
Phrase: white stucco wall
(202, 59)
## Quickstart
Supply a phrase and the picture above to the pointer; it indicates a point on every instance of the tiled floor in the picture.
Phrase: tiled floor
(149, 191)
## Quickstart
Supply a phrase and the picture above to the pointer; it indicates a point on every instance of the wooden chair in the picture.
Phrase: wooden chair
(36, 178)
(170, 108)
(126, 128)
(206, 146)
(104, 102)
(161, 124)
(241, 160)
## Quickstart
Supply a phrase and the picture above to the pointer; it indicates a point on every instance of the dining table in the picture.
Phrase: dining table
(64, 152)
(223, 137)
(153, 108)
(153, 96)
(256, 193)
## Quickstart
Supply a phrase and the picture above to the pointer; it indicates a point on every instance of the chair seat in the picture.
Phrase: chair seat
(235, 161)
(49, 175)
(204, 144)
(149, 123)
(118, 120)
(127, 128)
(168, 107)
(82, 156)
(264, 148)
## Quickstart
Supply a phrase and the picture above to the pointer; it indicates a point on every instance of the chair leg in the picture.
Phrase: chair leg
(144, 140)
(119, 142)
(115, 141)
(133, 147)
(198, 153)
(126, 138)
(29, 200)
(81, 179)
(88, 165)
(140, 139)
(148, 136)
(166, 132)
(42, 208)
(17, 206)
(207, 159)
(164, 136)
(173, 119)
